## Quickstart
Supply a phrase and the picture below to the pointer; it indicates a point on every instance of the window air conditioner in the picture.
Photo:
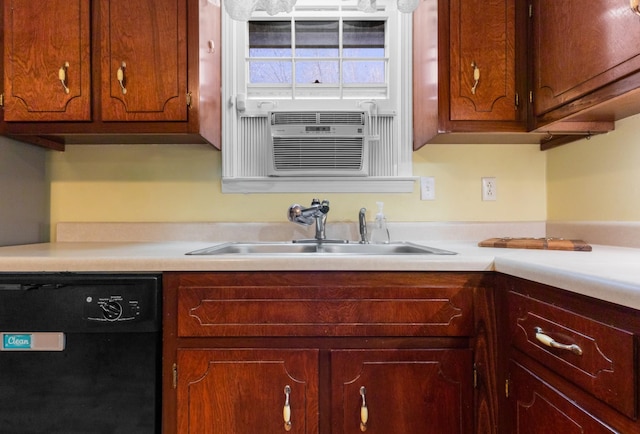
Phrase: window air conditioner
(311, 143)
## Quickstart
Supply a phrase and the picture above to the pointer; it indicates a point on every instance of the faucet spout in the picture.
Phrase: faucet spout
(362, 224)
(321, 222)
(317, 213)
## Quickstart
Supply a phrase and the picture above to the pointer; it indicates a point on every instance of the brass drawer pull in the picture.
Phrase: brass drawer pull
(122, 79)
(286, 410)
(62, 76)
(550, 342)
(476, 77)
(364, 411)
(635, 6)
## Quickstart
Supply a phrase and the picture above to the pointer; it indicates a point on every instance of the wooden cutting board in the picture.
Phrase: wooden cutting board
(537, 243)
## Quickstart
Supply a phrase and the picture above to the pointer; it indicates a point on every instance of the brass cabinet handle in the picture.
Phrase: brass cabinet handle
(476, 77)
(550, 342)
(364, 411)
(122, 79)
(635, 6)
(62, 76)
(286, 410)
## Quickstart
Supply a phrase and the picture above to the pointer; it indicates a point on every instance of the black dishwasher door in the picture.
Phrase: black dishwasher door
(80, 354)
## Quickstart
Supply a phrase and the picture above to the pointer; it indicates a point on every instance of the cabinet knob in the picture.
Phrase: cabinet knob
(550, 342)
(364, 411)
(476, 77)
(62, 76)
(286, 410)
(635, 6)
(122, 79)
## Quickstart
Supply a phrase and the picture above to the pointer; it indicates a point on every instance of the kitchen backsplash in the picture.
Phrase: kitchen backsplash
(624, 234)
(220, 232)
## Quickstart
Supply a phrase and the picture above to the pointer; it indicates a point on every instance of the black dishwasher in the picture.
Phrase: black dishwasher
(80, 353)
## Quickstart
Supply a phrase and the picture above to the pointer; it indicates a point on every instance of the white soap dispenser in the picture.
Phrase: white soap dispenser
(380, 232)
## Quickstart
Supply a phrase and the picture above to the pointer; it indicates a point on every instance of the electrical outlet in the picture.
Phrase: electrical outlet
(489, 188)
(427, 188)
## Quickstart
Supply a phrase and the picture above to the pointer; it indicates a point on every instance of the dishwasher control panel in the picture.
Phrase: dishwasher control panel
(80, 303)
(111, 308)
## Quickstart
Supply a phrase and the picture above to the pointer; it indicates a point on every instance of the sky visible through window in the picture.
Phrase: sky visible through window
(319, 56)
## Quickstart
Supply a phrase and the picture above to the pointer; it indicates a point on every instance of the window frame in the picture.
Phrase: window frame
(398, 104)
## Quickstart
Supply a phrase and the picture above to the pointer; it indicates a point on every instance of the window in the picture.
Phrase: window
(324, 55)
(342, 57)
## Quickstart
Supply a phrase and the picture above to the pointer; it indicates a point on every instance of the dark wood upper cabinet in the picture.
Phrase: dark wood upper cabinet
(133, 71)
(51, 84)
(494, 71)
(482, 79)
(470, 72)
(584, 55)
(144, 60)
(517, 71)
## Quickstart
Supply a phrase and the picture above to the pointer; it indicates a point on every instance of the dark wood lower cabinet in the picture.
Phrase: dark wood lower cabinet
(394, 353)
(377, 391)
(569, 362)
(401, 391)
(537, 407)
(324, 352)
(222, 391)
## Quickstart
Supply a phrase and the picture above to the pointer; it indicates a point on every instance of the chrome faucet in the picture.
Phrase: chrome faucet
(306, 216)
(362, 224)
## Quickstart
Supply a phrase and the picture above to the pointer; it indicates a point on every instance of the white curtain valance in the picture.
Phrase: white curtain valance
(241, 9)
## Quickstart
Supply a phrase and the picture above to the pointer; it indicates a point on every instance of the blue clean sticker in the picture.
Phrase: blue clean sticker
(16, 342)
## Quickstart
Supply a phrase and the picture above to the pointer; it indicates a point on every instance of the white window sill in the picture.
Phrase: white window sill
(314, 184)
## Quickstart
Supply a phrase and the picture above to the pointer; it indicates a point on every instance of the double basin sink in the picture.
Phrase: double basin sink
(320, 248)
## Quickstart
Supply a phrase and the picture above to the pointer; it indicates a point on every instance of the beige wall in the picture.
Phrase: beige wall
(182, 183)
(597, 179)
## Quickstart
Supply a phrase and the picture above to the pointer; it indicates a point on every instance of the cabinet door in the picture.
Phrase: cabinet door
(581, 46)
(537, 407)
(46, 61)
(144, 60)
(483, 60)
(242, 391)
(402, 391)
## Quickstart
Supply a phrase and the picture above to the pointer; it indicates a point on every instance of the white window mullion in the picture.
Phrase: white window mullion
(294, 57)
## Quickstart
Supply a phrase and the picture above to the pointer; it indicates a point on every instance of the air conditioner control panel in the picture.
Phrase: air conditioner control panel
(304, 130)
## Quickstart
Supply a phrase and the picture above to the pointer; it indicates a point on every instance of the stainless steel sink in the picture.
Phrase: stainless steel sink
(292, 248)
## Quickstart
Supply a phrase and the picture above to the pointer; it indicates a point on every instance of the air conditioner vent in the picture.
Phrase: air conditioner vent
(284, 118)
(320, 153)
(318, 144)
(346, 118)
(341, 118)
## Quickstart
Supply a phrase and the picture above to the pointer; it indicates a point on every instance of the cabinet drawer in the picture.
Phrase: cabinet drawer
(326, 307)
(597, 357)
(538, 407)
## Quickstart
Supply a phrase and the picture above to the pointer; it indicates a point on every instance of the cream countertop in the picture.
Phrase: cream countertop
(171, 256)
(608, 273)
